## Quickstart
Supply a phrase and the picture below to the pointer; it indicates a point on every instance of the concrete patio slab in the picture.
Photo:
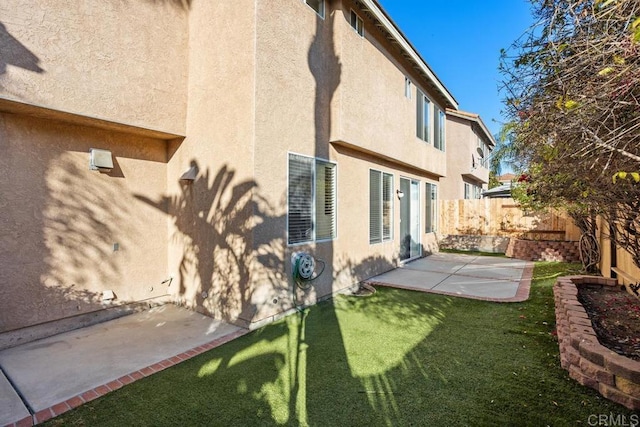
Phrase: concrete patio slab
(499, 261)
(480, 277)
(491, 272)
(477, 287)
(11, 407)
(52, 372)
(416, 278)
(448, 267)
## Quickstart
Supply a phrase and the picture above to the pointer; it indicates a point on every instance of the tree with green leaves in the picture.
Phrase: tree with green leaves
(573, 100)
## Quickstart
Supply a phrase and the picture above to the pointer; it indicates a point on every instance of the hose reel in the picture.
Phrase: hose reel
(304, 267)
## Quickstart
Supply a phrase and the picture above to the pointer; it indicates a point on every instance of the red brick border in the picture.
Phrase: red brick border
(591, 364)
(89, 395)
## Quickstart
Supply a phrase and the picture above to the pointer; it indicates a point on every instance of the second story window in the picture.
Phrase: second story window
(357, 24)
(317, 5)
(423, 129)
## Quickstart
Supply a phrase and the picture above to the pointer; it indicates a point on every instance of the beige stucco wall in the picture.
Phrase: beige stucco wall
(120, 61)
(59, 221)
(279, 80)
(461, 145)
(374, 113)
(316, 82)
(211, 219)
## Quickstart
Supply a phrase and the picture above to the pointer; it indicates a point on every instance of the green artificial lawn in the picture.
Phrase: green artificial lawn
(395, 358)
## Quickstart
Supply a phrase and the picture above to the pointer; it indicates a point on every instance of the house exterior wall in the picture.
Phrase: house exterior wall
(323, 91)
(461, 146)
(119, 61)
(59, 221)
(211, 219)
(374, 113)
(227, 101)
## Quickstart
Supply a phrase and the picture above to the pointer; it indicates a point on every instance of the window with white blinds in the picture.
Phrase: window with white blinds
(311, 199)
(438, 128)
(380, 206)
(325, 200)
(423, 107)
(431, 207)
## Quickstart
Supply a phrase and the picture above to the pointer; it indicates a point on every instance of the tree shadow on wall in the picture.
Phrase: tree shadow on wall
(58, 228)
(12, 52)
(215, 220)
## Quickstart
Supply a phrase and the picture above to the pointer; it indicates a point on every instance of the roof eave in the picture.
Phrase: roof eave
(378, 13)
(476, 119)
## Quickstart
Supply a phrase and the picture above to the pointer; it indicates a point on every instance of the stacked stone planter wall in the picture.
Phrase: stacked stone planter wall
(543, 250)
(591, 364)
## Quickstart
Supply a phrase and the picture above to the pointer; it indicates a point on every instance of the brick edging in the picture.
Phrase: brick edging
(101, 390)
(590, 363)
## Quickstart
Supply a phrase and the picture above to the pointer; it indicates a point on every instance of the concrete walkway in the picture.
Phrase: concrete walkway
(44, 378)
(478, 277)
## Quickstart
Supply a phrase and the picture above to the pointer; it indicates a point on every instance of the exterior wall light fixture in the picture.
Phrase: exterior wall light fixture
(400, 194)
(190, 174)
(100, 160)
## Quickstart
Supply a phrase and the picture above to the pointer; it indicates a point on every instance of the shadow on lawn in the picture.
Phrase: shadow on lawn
(351, 361)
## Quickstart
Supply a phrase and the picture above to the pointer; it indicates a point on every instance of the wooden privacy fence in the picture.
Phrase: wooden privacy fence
(614, 260)
(504, 218)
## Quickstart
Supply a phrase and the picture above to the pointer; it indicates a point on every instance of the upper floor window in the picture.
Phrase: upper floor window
(317, 5)
(483, 152)
(311, 199)
(423, 130)
(357, 24)
(438, 131)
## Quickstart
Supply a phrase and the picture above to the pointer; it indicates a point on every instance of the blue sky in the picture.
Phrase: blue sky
(461, 42)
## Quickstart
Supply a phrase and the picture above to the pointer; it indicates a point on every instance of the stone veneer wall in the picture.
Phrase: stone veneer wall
(591, 364)
(543, 250)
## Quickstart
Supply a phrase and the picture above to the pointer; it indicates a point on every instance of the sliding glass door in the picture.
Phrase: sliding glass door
(410, 246)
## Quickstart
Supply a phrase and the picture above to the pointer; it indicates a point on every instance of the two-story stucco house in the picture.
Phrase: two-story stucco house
(234, 134)
(468, 152)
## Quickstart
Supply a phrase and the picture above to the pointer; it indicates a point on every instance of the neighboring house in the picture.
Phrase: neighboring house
(503, 190)
(240, 131)
(469, 145)
(506, 178)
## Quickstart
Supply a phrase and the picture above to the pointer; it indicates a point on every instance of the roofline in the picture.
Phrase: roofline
(387, 23)
(472, 117)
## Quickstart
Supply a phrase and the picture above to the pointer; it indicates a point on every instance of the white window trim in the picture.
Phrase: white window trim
(359, 21)
(313, 198)
(442, 123)
(323, 8)
(424, 99)
(392, 210)
(434, 219)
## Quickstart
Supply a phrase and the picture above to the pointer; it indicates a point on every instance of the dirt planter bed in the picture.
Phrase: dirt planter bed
(591, 364)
